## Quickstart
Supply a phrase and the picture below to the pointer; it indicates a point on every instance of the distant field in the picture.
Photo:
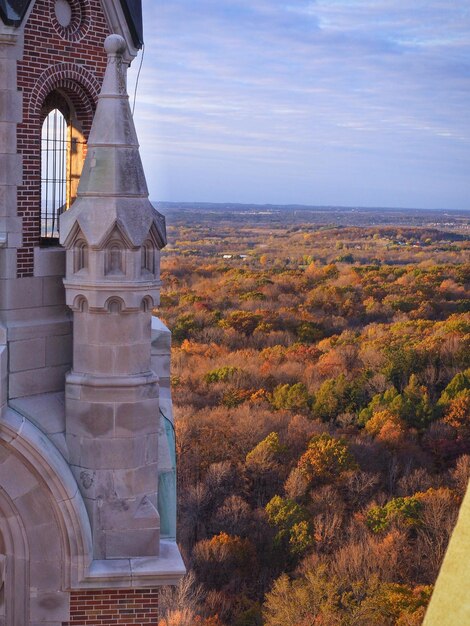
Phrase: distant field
(288, 235)
(320, 215)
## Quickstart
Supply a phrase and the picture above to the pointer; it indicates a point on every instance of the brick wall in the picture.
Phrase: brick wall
(71, 59)
(123, 607)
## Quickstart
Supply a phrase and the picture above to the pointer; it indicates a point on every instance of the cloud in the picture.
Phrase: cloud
(270, 81)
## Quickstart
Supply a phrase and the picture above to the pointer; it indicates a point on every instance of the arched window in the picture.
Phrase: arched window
(114, 259)
(80, 256)
(63, 148)
(55, 149)
(148, 258)
(114, 305)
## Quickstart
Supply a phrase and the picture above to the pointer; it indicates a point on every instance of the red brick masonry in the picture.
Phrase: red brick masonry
(123, 607)
(54, 58)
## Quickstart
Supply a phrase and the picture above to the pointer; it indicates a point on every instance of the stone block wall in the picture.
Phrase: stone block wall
(123, 607)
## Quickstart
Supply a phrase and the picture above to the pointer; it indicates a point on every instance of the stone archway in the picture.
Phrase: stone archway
(45, 535)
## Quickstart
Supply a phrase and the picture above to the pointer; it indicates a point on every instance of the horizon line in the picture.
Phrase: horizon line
(306, 206)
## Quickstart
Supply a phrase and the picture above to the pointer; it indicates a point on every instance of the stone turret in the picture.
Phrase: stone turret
(112, 236)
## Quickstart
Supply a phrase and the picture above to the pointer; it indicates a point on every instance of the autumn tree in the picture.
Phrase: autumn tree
(459, 383)
(386, 427)
(292, 524)
(264, 468)
(416, 409)
(311, 599)
(292, 397)
(406, 510)
(458, 413)
(224, 560)
(326, 459)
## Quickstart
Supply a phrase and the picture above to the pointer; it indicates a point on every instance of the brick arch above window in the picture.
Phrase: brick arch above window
(73, 91)
(80, 85)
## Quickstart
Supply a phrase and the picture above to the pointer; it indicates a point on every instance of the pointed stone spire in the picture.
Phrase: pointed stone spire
(113, 180)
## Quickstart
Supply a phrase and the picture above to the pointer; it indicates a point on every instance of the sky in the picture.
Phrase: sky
(326, 102)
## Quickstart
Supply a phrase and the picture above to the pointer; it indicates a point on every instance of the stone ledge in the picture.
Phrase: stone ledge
(166, 569)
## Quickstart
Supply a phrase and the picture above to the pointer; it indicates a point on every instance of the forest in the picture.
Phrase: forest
(321, 386)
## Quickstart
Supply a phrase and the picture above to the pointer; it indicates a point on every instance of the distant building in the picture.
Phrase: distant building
(87, 467)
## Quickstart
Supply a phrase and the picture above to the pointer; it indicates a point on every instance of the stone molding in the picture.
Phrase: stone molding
(131, 299)
(14, 580)
(132, 382)
(450, 604)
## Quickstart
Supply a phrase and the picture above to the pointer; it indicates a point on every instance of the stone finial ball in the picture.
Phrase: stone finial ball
(114, 44)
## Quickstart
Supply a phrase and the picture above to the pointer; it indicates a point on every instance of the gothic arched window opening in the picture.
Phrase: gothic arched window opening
(63, 150)
(148, 258)
(114, 259)
(55, 148)
(80, 256)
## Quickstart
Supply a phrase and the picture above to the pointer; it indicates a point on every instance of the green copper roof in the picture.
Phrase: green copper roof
(13, 11)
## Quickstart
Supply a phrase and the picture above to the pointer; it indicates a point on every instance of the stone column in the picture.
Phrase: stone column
(112, 428)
